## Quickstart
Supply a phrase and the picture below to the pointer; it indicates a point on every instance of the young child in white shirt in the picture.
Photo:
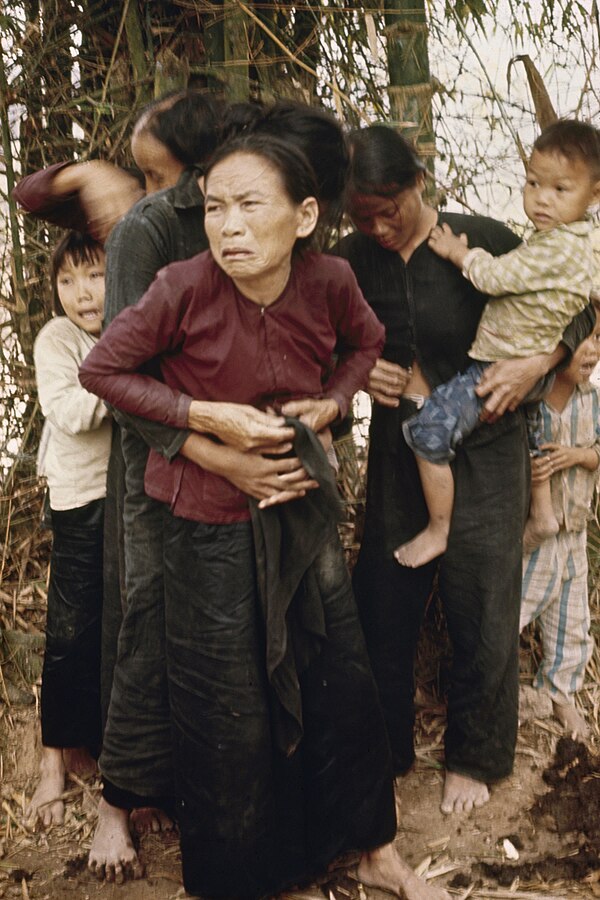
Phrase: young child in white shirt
(73, 458)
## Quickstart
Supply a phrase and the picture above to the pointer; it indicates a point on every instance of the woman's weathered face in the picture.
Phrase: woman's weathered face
(391, 221)
(156, 162)
(251, 222)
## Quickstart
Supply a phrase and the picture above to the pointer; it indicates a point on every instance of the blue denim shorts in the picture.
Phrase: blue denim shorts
(447, 417)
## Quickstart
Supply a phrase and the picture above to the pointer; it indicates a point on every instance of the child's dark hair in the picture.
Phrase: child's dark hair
(78, 247)
(573, 139)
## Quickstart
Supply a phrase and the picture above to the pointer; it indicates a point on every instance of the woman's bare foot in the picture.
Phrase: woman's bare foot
(46, 803)
(150, 819)
(427, 545)
(538, 530)
(112, 855)
(571, 719)
(462, 794)
(384, 869)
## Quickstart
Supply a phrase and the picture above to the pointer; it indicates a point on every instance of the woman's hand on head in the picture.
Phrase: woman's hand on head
(387, 382)
(241, 427)
(105, 192)
(315, 414)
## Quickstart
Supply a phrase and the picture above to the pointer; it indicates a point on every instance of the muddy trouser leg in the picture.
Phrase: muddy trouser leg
(137, 751)
(220, 713)
(480, 587)
(71, 675)
(114, 567)
(392, 601)
(348, 795)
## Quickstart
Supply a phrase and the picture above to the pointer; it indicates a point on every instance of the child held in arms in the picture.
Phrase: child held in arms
(73, 457)
(535, 291)
(555, 575)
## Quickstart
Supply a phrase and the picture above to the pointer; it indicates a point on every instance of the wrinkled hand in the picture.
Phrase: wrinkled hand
(505, 384)
(106, 193)
(387, 382)
(241, 427)
(315, 414)
(271, 481)
(448, 245)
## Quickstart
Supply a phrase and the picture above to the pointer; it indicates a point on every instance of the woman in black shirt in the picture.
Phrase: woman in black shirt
(431, 314)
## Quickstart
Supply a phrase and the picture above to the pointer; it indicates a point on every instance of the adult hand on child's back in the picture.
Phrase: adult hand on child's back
(506, 383)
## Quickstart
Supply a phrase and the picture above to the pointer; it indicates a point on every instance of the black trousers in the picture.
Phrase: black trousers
(136, 758)
(71, 675)
(479, 583)
(253, 821)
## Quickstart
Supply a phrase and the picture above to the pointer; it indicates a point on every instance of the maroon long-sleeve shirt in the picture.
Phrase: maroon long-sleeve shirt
(215, 344)
(34, 194)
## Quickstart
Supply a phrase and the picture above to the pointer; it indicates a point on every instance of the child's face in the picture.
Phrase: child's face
(585, 357)
(558, 190)
(80, 289)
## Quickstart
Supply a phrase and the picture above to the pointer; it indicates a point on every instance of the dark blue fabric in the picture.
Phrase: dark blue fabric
(448, 416)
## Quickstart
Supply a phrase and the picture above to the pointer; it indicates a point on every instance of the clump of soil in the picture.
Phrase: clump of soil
(571, 807)
(573, 804)
(546, 869)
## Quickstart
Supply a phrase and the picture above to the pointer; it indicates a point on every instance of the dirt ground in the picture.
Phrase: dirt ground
(535, 839)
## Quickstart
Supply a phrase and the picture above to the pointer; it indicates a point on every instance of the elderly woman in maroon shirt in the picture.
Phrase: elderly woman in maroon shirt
(279, 767)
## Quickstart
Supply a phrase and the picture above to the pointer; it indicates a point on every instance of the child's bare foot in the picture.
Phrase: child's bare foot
(428, 544)
(80, 761)
(46, 803)
(384, 869)
(462, 794)
(538, 530)
(571, 719)
(112, 855)
(149, 819)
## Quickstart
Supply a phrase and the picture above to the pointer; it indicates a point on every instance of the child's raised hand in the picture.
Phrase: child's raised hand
(448, 245)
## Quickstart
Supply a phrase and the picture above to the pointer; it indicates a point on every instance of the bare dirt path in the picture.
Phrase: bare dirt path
(454, 851)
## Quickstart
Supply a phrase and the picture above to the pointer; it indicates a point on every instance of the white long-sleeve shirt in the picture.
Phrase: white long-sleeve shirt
(75, 445)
